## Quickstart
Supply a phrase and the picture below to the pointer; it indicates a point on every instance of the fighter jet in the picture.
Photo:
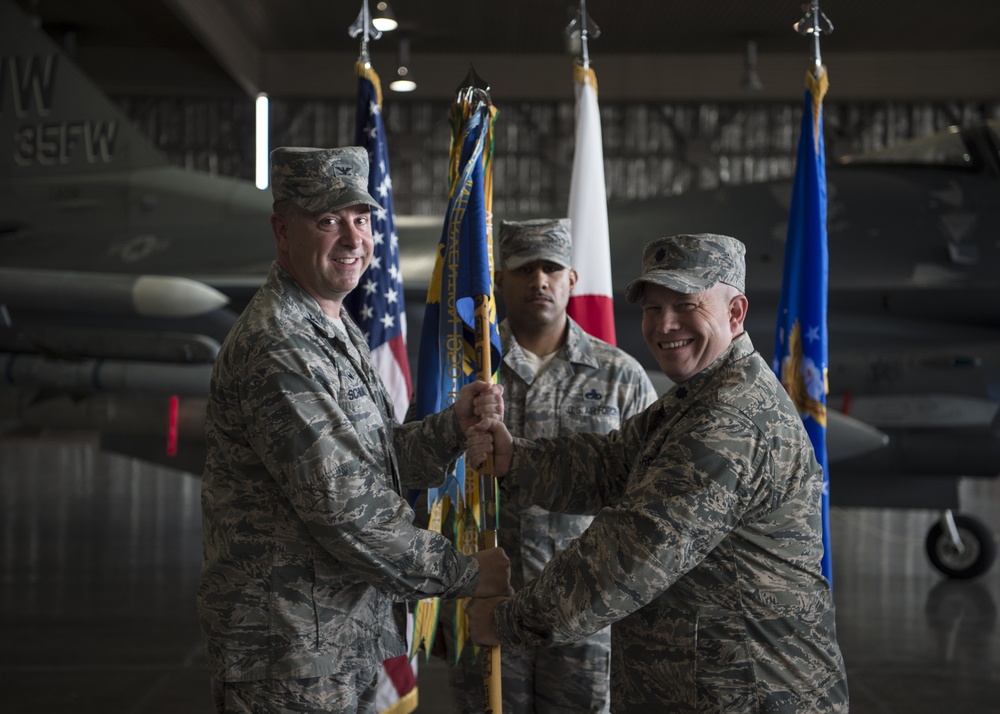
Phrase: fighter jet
(914, 307)
(914, 280)
(914, 311)
(120, 274)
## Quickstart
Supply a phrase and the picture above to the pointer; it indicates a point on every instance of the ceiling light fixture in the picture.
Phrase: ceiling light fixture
(262, 136)
(404, 81)
(383, 18)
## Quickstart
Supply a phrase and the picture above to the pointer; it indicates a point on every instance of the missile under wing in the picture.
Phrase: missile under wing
(120, 274)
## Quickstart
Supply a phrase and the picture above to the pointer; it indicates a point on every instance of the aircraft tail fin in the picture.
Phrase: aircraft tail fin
(58, 122)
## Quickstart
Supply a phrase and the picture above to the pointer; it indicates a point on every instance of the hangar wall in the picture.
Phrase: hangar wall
(651, 149)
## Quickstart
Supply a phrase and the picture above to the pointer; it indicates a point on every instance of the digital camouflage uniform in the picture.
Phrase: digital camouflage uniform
(307, 541)
(589, 386)
(705, 557)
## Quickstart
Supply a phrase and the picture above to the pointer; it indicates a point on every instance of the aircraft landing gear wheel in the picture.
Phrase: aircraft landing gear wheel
(974, 558)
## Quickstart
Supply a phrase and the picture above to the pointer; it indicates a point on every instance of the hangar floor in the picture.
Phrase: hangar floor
(100, 560)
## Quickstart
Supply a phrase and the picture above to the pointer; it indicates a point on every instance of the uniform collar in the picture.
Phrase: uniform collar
(577, 347)
(739, 348)
(300, 305)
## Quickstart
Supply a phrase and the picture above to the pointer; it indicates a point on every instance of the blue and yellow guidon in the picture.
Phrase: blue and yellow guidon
(453, 330)
(463, 269)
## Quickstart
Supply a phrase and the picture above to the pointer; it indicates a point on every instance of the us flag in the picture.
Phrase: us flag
(377, 303)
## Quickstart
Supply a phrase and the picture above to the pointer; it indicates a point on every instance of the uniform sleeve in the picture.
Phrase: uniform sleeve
(328, 466)
(677, 508)
(428, 449)
(577, 473)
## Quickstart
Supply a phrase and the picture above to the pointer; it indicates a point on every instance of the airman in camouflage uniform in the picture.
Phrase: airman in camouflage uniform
(704, 555)
(307, 542)
(557, 380)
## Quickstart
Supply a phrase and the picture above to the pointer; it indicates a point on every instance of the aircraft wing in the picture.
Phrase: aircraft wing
(121, 274)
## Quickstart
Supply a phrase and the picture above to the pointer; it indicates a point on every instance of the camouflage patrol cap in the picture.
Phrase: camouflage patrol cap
(691, 264)
(321, 179)
(523, 242)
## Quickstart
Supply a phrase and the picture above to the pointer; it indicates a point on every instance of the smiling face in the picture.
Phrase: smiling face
(326, 252)
(686, 333)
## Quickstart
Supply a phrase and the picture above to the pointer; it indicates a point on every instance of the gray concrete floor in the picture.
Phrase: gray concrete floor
(100, 558)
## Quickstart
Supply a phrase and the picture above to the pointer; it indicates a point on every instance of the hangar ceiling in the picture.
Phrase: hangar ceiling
(647, 49)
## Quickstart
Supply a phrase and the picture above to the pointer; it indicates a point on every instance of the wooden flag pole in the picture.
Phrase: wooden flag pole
(488, 501)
